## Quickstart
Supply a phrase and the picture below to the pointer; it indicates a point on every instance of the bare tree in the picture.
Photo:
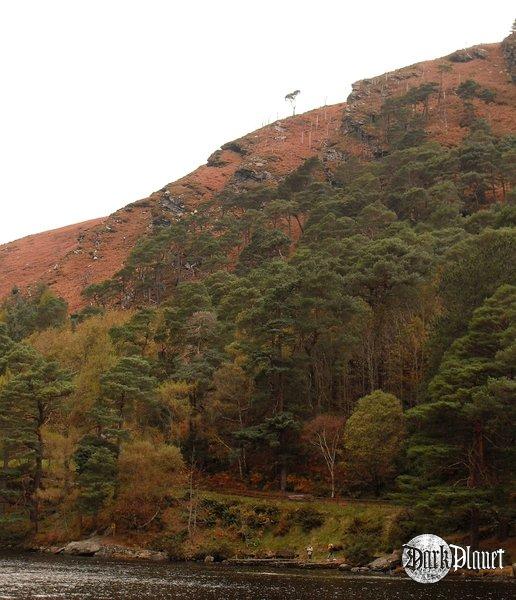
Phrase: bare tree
(325, 432)
(292, 99)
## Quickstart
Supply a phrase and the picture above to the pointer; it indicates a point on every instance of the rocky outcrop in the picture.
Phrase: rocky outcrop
(509, 53)
(83, 547)
(171, 203)
(386, 562)
(123, 552)
(240, 146)
(96, 546)
(462, 56)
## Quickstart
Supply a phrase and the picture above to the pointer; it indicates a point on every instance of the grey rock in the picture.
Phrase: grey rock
(82, 548)
(386, 561)
(174, 205)
(509, 54)
(344, 567)
(115, 551)
(248, 173)
(239, 146)
(460, 56)
(209, 559)
(480, 53)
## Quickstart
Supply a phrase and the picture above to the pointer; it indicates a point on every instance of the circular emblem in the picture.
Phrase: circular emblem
(426, 558)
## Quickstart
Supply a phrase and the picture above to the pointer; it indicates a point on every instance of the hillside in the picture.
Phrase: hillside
(70, 258)
(326, 308)
(73, 257)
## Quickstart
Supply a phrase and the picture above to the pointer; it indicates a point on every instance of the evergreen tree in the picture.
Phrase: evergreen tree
(28, 401)
(96, 464)
(462, 447)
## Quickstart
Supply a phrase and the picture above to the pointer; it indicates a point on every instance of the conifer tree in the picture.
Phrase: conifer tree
(28, 401)
(462, 447)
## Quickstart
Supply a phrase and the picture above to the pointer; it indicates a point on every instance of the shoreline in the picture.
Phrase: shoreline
(136, 555)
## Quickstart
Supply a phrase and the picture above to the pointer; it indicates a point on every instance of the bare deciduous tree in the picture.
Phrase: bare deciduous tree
(325, 432)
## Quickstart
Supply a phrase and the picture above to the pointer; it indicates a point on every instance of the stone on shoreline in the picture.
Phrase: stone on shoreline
(96, 547)
(386, 562)
(82, 548)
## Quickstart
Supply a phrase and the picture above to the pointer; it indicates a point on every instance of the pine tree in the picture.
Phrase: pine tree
(463, 443)
(28, 400)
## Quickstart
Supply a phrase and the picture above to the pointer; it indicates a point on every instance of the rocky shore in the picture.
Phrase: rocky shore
(388, 564)
(97, 546)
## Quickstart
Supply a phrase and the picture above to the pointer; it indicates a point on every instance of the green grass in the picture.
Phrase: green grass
(340, 520)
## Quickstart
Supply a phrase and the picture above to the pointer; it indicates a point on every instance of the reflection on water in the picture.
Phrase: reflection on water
(32, 576)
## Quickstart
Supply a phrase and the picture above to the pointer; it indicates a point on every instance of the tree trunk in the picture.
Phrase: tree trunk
(283, 476)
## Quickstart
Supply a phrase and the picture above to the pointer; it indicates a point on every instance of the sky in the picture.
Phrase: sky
(104, 101)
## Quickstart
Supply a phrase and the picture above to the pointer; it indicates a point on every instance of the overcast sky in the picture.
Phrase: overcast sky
(105, 101)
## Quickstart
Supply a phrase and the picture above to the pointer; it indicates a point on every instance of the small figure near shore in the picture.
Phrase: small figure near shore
(331, 551)
(309, 552)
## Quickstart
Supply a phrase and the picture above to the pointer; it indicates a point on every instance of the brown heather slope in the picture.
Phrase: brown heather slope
(70, 258)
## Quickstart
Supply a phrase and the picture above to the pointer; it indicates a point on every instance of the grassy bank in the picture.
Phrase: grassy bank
(226, 525)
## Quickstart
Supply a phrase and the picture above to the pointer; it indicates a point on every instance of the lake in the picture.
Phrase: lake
(37, 576)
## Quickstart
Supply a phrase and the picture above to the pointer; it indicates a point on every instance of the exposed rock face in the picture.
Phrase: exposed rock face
(386, 562)
(171, 204)
(250, 173)
(240, 146)
(509, 53)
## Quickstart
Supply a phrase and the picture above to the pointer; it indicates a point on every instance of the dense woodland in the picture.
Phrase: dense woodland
(342, 334)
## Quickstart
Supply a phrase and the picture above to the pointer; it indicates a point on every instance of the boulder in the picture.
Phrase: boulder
(480, 53)
(344, 567)
(360, 569)
(386, 562)
(209, 559)
(459, 56)
(82, 548)
(123, 552)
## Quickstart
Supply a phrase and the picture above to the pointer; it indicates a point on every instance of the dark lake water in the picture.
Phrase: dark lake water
(32, 576)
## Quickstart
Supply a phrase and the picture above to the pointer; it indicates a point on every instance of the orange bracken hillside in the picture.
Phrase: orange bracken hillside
(72, 257)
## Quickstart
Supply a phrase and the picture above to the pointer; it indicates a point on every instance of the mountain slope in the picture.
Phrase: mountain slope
(70, 258)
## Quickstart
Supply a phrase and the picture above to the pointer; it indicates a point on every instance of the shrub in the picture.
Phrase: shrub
(308, 518)
(360, 549)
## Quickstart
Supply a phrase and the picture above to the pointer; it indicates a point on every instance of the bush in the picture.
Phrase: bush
(360, 549)
(261, 516)
(308, 518)
(362, 539)
(219, 550)
(172, 544)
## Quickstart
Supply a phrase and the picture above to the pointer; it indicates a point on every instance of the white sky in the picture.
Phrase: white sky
(105, 101)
